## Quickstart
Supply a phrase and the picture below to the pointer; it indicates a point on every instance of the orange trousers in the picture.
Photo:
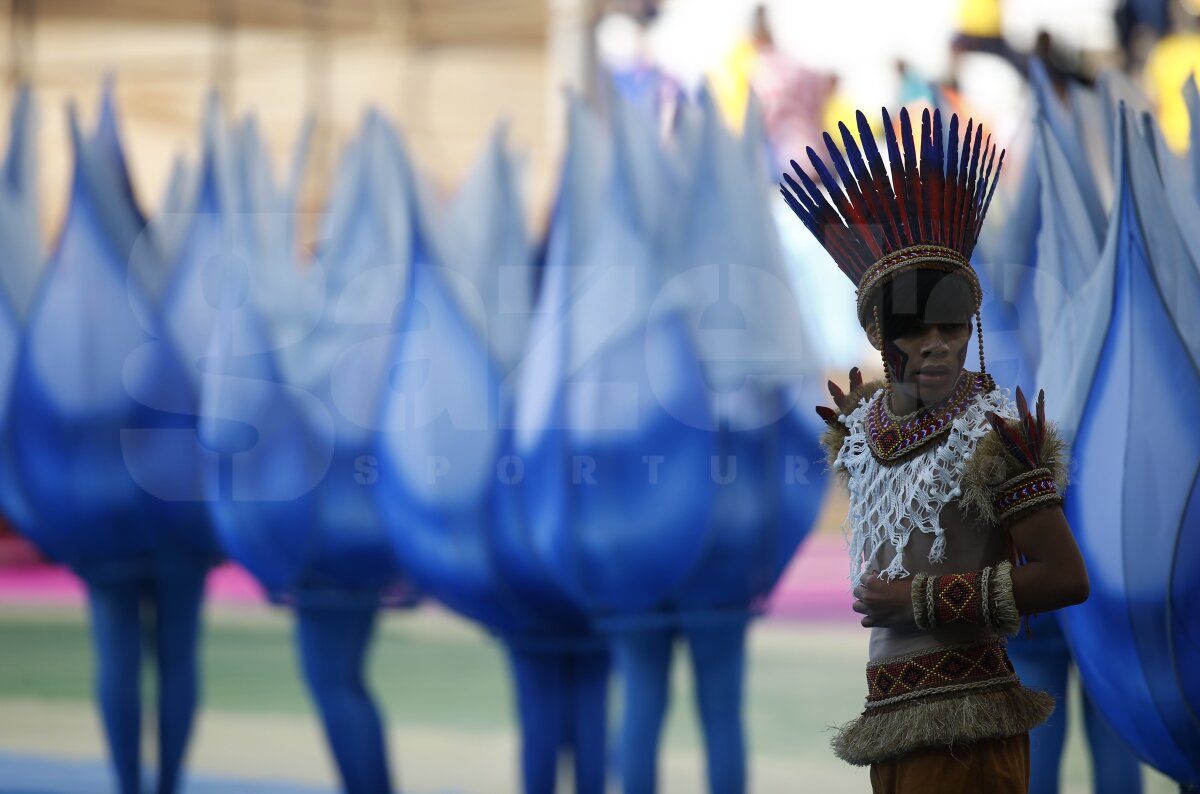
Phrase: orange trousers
(992, 766)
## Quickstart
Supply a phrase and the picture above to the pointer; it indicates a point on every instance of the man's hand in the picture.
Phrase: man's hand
(884, 603)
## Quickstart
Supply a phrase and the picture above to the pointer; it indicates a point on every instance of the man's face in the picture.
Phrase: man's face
(926, 334)
(926, 359)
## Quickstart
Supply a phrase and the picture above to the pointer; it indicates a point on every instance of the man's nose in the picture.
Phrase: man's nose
(934, 342)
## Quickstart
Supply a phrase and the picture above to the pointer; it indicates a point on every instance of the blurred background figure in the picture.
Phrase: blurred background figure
(979, 28)
(915, 89)
(1139, 23)
(626, 59)
(1168, 64)
(1062, 67)
(792, 97)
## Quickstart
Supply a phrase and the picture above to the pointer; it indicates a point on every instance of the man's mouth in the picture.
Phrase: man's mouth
(933, 376)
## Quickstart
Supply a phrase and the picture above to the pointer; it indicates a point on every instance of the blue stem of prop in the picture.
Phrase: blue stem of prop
(333, 643)
(125, 611)
(718, 653)
(562, 699)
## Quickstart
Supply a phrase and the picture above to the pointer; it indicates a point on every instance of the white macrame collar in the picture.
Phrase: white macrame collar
(888, 500)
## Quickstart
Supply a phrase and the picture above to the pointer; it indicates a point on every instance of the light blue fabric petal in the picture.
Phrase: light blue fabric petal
(1089, 116)
(1133, 506)
(105, 141)
(1191, 96)
(1117, 90)
(1061, 127)
(482, 237)
(1035, 309)
(1015, 216)
(1067, 288)
(447, 404)
(289, 294)
(439, 457)
(20, 238)
(270, 459)
(610, 385)
(308, 520)
(102, 416)
(20, 226)
(746, 322)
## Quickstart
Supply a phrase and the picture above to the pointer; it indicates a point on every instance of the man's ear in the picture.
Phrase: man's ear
(873, 334)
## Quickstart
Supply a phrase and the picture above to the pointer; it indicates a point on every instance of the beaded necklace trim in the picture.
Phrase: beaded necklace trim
(892, 439)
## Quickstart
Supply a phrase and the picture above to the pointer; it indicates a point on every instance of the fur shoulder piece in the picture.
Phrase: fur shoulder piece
(992, 465)
(836, 430)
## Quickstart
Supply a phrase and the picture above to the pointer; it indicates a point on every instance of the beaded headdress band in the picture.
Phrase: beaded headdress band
(925, 214)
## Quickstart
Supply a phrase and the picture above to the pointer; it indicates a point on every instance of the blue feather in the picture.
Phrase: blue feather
(876, 210)
(867, 227)
(952, 192)
(938, 186)
(802, 193)
(927, 178)
(879, 179)
(969, 214)
(992, 189)
(825, 213)
(963, 164)
(912, 179)
(801, 213)
(899, 183)
(831, 184)
(799, 201)
(842, 213)
(980, 185)
(983, 201)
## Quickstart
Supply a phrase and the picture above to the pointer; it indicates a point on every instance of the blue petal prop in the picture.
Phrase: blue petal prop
(1062, 127)
(103, 416)
(770, 480)
(20, 237)
(446, 407)
(1135, 506)
(294, 426)
(616, 490)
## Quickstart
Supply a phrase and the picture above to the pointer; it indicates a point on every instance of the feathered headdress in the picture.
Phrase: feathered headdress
(923, 211)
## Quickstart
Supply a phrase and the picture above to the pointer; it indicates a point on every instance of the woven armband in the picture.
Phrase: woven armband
(1015, 497)
(978, 598)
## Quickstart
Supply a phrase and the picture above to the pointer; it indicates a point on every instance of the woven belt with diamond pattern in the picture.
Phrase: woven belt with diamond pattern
(941, 671)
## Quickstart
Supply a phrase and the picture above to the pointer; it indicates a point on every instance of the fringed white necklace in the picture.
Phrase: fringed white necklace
(891, 497)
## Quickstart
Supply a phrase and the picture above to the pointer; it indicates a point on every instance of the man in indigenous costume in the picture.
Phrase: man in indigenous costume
(955, 523)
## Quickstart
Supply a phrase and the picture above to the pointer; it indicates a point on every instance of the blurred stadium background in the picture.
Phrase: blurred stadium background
(446, 71)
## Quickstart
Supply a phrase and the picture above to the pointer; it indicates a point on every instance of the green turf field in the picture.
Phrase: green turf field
(443, 686)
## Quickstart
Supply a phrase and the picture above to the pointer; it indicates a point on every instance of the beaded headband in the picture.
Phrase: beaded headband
(923, 211)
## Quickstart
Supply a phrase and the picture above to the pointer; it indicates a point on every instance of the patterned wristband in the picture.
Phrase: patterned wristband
(959, 599)
(979, 598)
(1031, 489)
(920, 587)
